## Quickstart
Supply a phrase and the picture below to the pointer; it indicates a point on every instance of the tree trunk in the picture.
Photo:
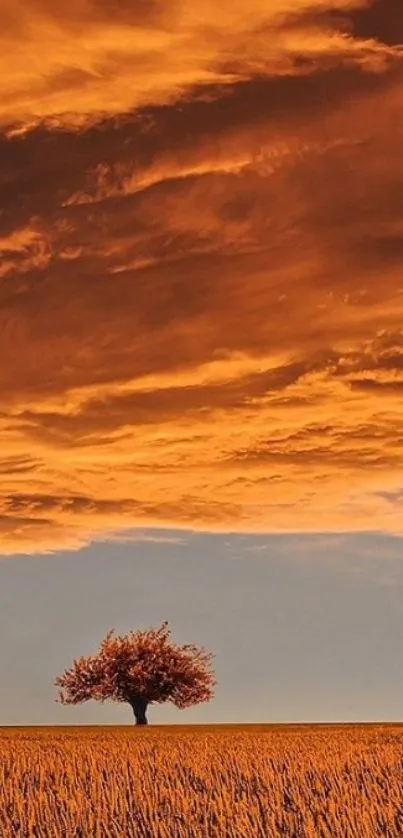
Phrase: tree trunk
(139, 706)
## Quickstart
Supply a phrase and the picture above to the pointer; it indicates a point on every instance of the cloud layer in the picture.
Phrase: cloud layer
(201, 295)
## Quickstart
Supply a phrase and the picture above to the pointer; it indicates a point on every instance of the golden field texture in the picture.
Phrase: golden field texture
(190, 782)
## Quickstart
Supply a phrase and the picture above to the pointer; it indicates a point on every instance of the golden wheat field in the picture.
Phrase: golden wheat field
(190, 782)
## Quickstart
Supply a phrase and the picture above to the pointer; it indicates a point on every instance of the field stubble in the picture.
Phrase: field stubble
(182, 782)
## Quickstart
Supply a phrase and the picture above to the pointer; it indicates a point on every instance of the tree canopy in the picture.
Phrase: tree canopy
(144, 665)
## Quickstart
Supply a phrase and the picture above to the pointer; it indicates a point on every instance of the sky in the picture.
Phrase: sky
(201, 344)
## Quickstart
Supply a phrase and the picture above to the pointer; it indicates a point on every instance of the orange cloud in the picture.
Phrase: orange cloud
(200, 286)
(91, 59)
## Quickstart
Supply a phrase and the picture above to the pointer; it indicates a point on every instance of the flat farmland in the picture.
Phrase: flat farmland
(301, 781)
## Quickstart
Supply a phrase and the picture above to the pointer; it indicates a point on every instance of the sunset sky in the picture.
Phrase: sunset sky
(201, 344)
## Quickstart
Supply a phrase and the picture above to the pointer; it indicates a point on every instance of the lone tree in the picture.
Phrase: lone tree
(140, 668)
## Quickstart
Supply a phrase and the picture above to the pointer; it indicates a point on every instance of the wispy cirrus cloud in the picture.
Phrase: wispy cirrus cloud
(87, 61)
(200, 287)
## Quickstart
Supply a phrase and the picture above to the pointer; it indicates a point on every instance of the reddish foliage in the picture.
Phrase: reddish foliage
(141, 663)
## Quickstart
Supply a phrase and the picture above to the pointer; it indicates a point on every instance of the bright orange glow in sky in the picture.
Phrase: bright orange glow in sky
(201, 285)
